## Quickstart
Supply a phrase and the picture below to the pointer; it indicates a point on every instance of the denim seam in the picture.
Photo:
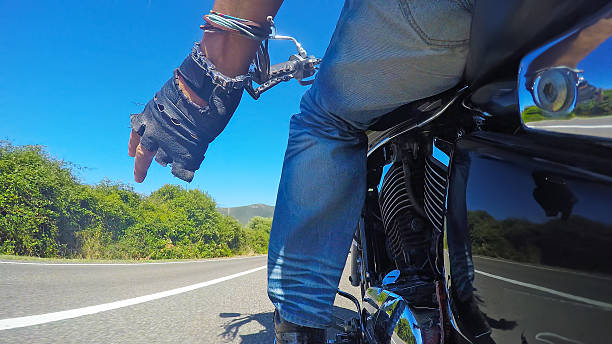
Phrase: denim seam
(426, 39)
(464, 4)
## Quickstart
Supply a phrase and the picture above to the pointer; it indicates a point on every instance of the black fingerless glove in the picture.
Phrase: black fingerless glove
(180, 130)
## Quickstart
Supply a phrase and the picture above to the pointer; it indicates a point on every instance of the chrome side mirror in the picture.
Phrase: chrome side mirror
(566, 85)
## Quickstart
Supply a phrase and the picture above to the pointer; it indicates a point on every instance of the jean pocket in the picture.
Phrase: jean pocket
(442, 23)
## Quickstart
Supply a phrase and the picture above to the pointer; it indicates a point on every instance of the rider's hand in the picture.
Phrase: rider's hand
(199, 98)
(189, 111)
(144, 157)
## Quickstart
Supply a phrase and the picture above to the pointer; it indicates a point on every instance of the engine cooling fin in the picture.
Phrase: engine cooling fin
(435, 193)
(408, 236)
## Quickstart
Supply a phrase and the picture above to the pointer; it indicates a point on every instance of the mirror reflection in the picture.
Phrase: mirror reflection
(562, 86)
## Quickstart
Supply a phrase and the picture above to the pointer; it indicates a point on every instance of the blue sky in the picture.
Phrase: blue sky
(72, 72)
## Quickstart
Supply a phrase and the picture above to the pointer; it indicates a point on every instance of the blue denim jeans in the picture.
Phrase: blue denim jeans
(383, 53)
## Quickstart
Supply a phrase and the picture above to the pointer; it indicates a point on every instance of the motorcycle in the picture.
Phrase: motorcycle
(487, 217)
(488, 210)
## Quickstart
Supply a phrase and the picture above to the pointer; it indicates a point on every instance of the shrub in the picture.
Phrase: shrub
(45, 211)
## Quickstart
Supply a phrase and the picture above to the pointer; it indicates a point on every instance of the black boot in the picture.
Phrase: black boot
(289, 333)
(472, 322)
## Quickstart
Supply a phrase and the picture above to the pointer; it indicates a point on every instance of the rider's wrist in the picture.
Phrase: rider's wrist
(232, 36)
(231, 54)
(201, 77)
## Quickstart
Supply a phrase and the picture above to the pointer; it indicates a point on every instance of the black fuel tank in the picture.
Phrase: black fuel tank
(529, 232)
(503, 32)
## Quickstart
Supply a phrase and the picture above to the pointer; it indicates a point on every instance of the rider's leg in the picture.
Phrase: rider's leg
(383, 53)
(317, 207)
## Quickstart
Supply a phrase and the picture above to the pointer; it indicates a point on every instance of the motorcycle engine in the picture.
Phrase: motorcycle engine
(408, 235)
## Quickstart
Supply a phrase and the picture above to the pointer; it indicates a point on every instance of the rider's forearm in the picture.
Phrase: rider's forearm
(576, 47)
(178, 132)
(231, 53)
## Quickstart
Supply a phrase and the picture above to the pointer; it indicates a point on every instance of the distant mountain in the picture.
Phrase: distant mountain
(244, 214)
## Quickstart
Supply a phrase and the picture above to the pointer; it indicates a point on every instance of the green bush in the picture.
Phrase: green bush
(34, 197)
(46, 212)
(257, 233)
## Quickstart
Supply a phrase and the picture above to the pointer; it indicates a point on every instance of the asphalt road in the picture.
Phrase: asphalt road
(224, 301)
(543, 304)
(597, 126)
(214, 301)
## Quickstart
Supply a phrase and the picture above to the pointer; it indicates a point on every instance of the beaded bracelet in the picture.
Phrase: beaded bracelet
(216, 21)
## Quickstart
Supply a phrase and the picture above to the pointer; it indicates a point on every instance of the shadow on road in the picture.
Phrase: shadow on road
(238, 320)
(232, 329)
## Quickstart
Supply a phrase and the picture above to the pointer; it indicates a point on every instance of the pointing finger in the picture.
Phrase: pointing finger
(134, 142)
(142, 163)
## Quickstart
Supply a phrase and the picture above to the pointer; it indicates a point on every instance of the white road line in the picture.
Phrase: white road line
(540, 267)
(6, 324)
(125, 264)
(604, 305)
(543, 337)
(605, 126)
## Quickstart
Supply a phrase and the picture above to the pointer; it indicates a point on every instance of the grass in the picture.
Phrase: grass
(123, 261)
